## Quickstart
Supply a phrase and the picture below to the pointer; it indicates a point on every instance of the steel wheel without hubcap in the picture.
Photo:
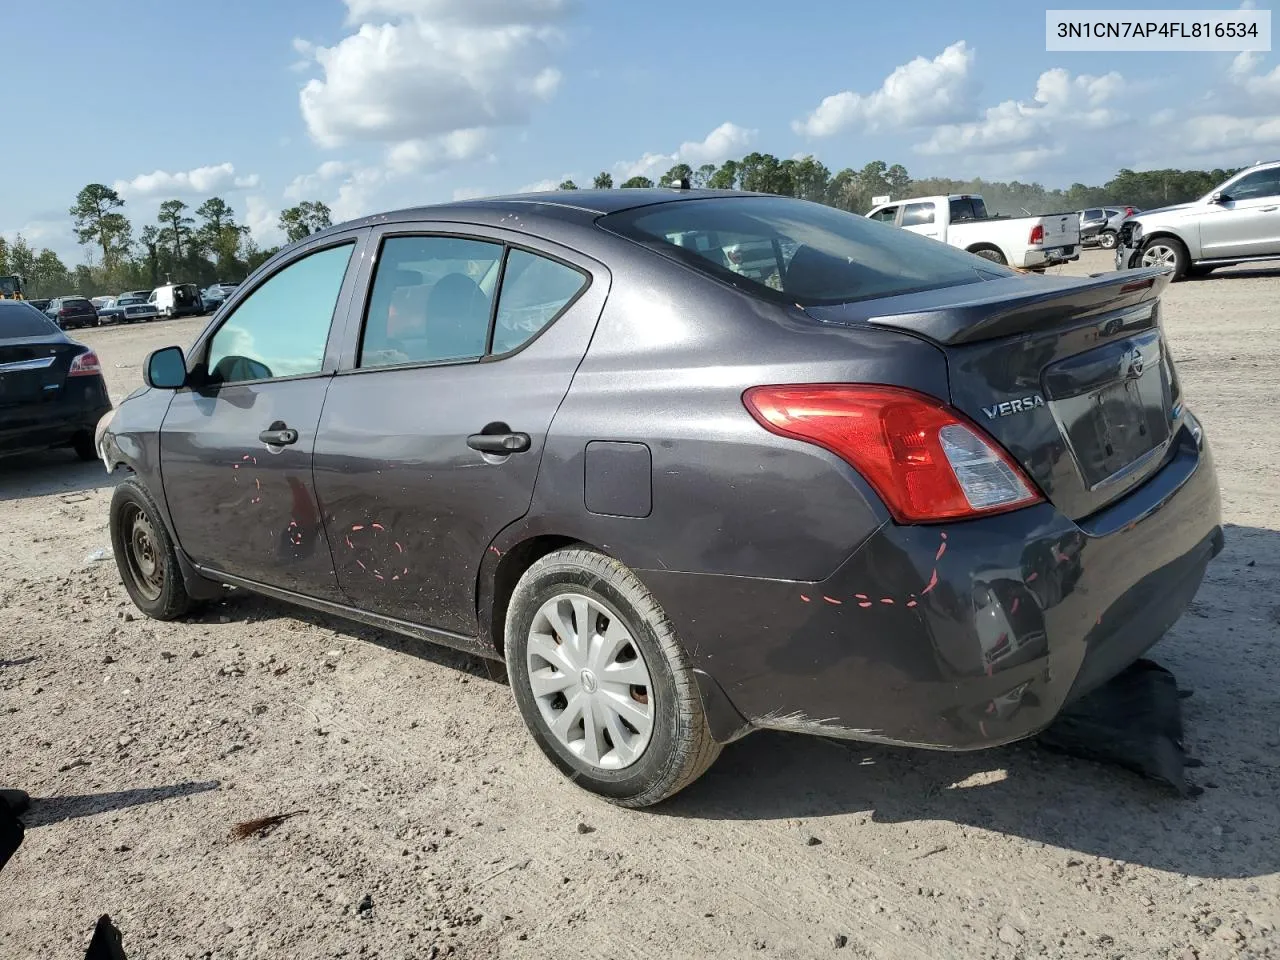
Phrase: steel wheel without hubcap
(142, 553)
(1160, 255)
(590, 682)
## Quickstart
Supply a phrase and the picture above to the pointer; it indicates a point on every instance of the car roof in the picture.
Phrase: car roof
(580, 206)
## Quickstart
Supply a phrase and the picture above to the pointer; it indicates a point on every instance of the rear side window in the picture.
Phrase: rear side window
(534, 292)
(431, 302)
(916, 214)
(19, 319)
(281, 328)
(834, 257)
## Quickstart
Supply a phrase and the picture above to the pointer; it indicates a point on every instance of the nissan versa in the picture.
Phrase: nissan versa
(872, 487)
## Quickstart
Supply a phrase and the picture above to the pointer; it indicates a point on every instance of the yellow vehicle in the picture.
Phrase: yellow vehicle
(11, 288)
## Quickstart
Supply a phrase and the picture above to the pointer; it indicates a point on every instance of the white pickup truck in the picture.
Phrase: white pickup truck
(1031, 243)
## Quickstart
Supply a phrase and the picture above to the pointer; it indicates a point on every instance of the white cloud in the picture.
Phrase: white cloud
(263, 221)
(305, 186)
(426, 154)
(200, 181)
(438, 67)
(726, 140)
(469, 193)
(916, 94)
(541, 186)
(1062, 105)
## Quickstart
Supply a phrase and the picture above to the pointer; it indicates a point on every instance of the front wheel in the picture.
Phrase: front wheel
(1107, 240)
(1166, 252)
(145, 554)
(602, 681)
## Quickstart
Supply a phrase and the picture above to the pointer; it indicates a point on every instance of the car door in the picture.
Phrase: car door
(432, 433)
(236, 445)
(1246, 220)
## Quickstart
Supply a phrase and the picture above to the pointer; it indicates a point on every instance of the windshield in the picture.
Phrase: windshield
(127, 301)
(795, 251)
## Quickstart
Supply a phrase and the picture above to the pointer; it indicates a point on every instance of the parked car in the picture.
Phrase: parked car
(177, 300)
(40, 305)
(961, 220)
(1236, 222)
(128, 309)
(100, 302)
(71, 312)
(1104, 233)
(215, 294)
(1094, 221)
(682, 504)
(51, 389)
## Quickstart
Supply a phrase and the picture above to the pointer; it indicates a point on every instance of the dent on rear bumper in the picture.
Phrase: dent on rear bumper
(961, 636)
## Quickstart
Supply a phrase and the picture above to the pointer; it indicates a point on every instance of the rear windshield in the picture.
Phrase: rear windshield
(18, 319)
(795, 251)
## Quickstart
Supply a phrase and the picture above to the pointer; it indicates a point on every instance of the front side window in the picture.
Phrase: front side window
(431, 302)
(1093, 214)
(1261, 183)
(836, 257)
(917, 214)
(281, 328)
(887, 215)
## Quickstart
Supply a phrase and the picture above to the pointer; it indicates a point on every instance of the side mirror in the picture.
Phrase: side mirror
(165, 369)
(1218, 197)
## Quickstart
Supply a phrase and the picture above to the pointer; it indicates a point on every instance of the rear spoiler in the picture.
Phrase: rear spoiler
(1009, 306)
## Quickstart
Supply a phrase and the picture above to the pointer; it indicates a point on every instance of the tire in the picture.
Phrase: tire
(990, 253)
(82, 444)
(678, 747)
(1107, 240)
(161, 595)
(1166, 251)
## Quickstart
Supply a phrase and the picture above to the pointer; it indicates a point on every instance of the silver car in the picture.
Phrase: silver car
(1238, 222)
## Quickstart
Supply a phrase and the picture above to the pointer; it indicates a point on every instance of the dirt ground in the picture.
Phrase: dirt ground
(427, 823)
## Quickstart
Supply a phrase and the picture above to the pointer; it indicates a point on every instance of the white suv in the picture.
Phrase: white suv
(1238, 222)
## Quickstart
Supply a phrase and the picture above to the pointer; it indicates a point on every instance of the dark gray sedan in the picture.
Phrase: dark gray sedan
(892, 493)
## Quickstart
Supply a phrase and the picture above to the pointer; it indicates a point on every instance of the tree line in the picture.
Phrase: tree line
(201, 246)
(212, 245)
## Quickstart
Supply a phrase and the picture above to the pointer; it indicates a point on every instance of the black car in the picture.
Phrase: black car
(897, 493)
(51, 389)
(72, 312)
(215, 295)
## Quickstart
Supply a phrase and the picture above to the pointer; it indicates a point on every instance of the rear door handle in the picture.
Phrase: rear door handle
(1269, 209)
(499, 443)
(278, 435)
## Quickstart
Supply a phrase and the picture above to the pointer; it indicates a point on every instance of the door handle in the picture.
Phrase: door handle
(499, 443)
(1269, 209)
(278, 435)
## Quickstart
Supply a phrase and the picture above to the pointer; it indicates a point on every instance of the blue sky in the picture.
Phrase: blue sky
(374, 104)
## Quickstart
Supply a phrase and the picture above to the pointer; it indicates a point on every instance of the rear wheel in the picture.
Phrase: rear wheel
(1107, 240)
(83, 446)
(1166, 252)
(145, 554)
(602, 681)
(990, 253)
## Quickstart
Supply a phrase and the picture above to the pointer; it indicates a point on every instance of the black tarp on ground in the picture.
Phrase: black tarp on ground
(1133, 721)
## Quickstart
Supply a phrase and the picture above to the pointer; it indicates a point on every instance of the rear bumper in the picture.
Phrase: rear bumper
(960, 636)
(1047, 258)
(54, 423)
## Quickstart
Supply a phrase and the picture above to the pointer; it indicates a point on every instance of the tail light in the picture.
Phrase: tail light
(927, 461)
(85, 365)
(1037, 234)
(63, 312)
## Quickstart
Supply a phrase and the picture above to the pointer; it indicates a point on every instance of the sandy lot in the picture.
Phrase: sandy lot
(431, 826)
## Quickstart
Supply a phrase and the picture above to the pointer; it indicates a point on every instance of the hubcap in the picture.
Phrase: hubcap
(143, 554)
(590, 681)
(1159, 255)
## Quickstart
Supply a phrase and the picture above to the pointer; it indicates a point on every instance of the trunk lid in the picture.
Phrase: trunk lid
(1060, 229)
(33, 371)
(1072, 376)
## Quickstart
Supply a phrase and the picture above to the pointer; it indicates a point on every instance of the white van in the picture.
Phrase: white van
(177, 300)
